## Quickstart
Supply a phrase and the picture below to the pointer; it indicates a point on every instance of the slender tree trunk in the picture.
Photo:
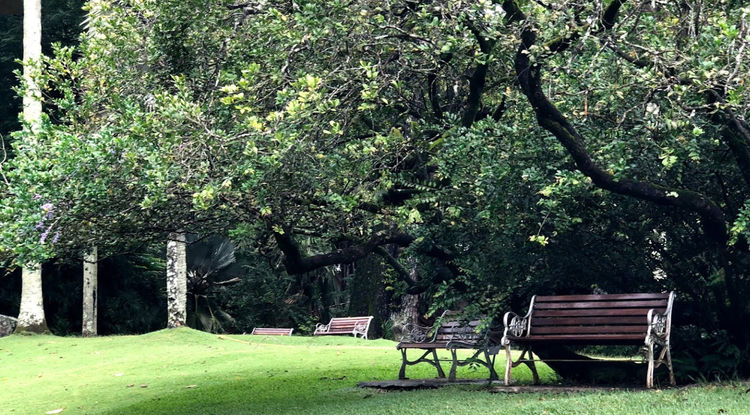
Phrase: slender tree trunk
(90, 291)
(31, 314)
(32, 50)
(176, 280)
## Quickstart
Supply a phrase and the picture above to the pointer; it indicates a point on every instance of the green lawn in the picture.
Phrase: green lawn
(189, 372)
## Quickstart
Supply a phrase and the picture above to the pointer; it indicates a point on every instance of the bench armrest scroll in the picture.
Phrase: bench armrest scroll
(660, 325)
(515, 326)
(320, 327)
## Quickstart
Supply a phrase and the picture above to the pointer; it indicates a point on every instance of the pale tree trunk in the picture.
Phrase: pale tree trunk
(90, 291)
(91, 258)
(176, 280)
(31, 314)
(32, 50)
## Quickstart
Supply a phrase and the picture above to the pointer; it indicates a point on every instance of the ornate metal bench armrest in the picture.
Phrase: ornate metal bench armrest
(414, 333)
(361, 327)
(658, 327)
(515, 326)
(321, 327)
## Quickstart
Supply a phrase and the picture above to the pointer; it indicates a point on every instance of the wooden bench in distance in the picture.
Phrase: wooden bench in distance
(452, 334)
(345, 325)
(608, 319)
(272, 331)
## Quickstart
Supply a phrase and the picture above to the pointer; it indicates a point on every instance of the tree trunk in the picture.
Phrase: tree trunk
(90, 288)
(176, 280)
(32, 50)
(31, 314)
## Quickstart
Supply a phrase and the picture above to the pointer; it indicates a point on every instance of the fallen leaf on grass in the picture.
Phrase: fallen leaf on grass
(144, 386)
(54, 411)
(131, 385)
(191, 386)
(118, 374)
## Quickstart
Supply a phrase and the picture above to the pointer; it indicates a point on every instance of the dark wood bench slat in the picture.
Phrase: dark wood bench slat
(600, 304)
(606, 320)
(423, 345)
(593, 339)
(590, 329)
(595, 312)
(603, 297)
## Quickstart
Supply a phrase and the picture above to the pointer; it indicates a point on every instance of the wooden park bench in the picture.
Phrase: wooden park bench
(609, 319)
(272, 331)
(450, 334)
(345, 325)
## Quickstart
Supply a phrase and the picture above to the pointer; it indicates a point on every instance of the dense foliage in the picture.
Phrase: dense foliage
(482, 150)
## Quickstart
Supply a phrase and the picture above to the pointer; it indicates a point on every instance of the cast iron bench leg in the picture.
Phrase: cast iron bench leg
(402, 371)
(491, 364)
(439, 368)
(454, 366)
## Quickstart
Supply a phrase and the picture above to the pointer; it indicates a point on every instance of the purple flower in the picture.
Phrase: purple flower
(39, 225)
(48, 209)
(56, 237)
(37, 196)
(44, 236)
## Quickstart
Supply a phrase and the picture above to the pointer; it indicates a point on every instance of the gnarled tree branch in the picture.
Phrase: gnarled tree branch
(551, 119)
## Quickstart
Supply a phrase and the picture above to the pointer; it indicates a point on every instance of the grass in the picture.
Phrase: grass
(189, 372)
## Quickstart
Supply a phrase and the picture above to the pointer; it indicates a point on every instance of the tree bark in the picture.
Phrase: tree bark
(176, 280)
(296, 262)
(90, 291)
(32, 50)
(31, 314)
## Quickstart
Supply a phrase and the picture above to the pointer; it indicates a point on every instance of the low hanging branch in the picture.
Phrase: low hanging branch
(296, 262)
(551, 119)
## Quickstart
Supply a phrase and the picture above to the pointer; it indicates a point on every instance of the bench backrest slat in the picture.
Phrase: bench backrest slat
(595, 312)
(553, 305)
(567, 321)
(590, 329)
(603, 297)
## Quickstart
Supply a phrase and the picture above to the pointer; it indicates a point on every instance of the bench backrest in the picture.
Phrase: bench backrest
(272, 331)
(612, 315)
(456, 330)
